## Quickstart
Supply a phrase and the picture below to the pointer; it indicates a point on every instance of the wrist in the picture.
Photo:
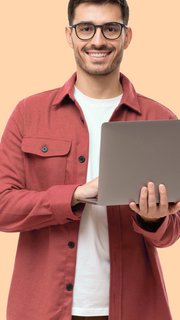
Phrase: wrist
(76, 197)
(150, 220)
(149, 225)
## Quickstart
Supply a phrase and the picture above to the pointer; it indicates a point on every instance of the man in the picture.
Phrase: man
(78, 261)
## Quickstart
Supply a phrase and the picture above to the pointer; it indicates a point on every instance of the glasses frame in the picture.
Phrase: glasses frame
(101, 26)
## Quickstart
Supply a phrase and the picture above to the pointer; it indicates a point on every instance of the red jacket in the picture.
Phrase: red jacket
(40, 167)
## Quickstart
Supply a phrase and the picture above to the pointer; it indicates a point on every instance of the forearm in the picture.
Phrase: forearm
(22, 210)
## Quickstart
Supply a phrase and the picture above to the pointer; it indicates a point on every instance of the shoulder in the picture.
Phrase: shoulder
(41, 99)
(37, 105)
(50, 97)
(153, 109)
(148, 108)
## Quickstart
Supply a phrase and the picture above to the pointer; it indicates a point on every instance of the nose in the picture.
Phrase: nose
(98, 38)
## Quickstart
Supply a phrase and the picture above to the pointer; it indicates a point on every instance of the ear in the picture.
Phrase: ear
(127, 38)
(68, 32)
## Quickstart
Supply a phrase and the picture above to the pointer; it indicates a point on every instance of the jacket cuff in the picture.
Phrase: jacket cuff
(151, 226)
(154, 235)
(60, 198)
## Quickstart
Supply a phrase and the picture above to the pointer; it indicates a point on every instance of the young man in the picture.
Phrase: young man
(78, 261)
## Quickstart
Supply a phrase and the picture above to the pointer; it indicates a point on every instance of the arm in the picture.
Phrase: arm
(88, 190)
(159, 224)
(22, 209)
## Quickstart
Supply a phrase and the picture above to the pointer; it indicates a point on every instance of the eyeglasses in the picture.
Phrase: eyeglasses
(87, 30)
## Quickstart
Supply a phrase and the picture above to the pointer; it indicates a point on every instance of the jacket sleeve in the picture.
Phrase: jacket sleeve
(22, 209)
(162, 236)
(163, 233)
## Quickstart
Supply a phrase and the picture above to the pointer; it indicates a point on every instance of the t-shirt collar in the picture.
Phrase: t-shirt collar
(129, 99)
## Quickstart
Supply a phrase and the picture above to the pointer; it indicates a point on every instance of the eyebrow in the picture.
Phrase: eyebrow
(95, 23)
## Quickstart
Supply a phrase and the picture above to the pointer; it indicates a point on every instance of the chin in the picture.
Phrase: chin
(97, 72)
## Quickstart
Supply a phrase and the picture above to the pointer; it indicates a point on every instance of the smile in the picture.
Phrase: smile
(98, 54)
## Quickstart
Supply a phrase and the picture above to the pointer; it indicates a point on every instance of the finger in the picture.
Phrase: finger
(152, 206)
(96, 179)
(133, 206)
(96, 182)
(143, 202)
(163, 205)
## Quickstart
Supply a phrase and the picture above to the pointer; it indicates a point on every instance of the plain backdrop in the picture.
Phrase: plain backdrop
(35, 58)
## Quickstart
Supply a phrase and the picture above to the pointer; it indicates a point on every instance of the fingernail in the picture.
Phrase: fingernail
(162, 187)
(151, 184)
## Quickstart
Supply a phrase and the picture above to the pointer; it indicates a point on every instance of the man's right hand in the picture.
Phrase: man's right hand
(88, 190)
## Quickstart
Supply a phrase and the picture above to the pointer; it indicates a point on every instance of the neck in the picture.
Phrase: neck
(99, 87)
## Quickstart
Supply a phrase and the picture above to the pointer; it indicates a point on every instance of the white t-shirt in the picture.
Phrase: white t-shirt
(92, 278)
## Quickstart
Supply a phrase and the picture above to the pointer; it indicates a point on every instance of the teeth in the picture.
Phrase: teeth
(98, 55)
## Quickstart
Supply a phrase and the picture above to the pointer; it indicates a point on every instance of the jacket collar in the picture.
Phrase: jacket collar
(129, 99)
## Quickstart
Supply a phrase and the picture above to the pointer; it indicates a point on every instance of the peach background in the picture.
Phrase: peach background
(35, 57)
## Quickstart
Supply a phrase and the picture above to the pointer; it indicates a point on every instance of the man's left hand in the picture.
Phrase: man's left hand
(148, 209)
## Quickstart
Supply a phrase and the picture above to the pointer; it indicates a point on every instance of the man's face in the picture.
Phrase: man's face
(98, 56)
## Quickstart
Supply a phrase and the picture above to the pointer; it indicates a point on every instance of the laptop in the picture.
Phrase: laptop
(133, 153)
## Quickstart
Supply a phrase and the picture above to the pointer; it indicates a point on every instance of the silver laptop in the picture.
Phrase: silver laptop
(133, 153)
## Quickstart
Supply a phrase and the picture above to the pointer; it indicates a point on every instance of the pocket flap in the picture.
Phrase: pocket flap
(45, 147)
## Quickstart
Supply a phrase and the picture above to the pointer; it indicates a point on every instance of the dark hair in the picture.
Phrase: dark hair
(121, 3)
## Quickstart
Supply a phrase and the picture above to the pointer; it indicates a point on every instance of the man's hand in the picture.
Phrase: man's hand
(88, 190)
(148, 209)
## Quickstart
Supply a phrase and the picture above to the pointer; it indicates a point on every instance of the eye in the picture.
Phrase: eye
(85, 28)
(111, 28)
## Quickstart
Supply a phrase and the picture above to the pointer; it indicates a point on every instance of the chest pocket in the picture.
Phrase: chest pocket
(45, 162)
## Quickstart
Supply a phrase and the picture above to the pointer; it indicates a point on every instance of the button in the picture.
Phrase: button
(82, 159)
(71, 244)
(44, 149)
(69, 287)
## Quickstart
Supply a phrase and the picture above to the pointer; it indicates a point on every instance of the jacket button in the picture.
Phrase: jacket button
(69, 287)
(44, 149)
(82, 159)
(71, 244)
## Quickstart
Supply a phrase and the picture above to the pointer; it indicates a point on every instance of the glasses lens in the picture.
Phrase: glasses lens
(85, 30)
(112, 30)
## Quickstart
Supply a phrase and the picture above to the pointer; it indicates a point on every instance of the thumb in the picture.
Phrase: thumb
(174, 208)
